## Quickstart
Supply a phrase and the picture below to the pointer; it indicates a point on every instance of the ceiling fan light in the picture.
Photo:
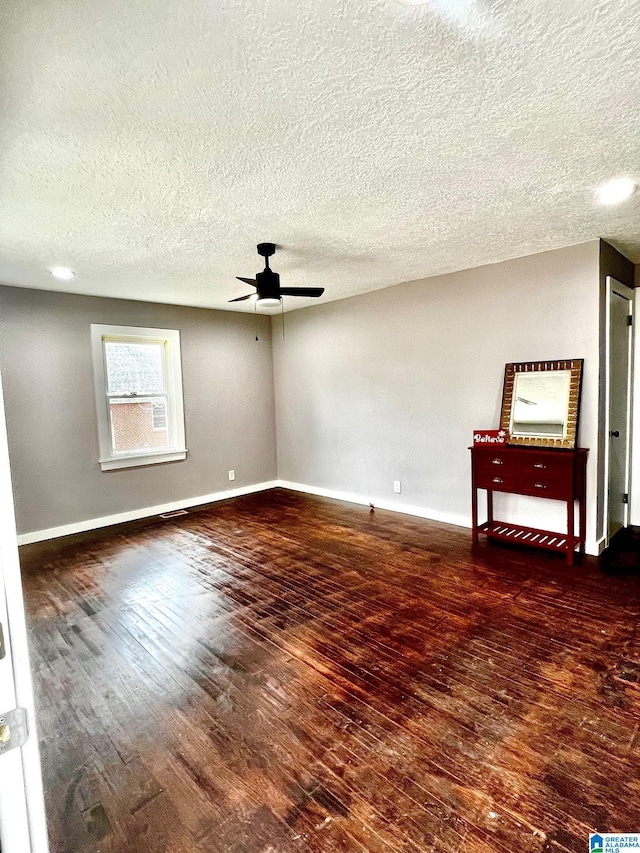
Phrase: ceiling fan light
(63, 273)
(269, 301)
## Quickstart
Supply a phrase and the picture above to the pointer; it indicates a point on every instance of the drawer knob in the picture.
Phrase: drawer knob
(497, 462)
(540, 485)
(496, 480)
(539, 465)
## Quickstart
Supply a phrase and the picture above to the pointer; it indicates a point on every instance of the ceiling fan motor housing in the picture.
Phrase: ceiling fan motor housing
(268, 284)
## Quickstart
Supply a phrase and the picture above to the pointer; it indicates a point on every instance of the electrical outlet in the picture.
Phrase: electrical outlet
(232, 475)
(396, 486)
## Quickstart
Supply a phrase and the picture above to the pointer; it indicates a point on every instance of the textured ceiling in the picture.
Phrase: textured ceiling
(150, 144)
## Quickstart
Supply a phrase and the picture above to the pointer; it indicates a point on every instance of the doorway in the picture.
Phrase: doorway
(619, 371)
(22, 817)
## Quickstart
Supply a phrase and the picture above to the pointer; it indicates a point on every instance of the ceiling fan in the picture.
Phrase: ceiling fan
(267, 283)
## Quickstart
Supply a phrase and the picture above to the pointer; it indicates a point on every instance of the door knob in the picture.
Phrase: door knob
(614, 433)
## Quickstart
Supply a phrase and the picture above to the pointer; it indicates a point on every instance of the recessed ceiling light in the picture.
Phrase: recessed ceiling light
(615, 191)
(63, 273)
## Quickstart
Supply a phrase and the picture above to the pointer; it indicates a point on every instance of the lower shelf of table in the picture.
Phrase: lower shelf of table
(535, 537)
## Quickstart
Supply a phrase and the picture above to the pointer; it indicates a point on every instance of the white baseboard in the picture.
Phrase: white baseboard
(379, 503)
(136, 514)
(594, 549)
(598, 547)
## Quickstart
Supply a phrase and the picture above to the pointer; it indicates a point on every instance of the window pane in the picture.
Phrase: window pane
(134, 425)
(134, 368)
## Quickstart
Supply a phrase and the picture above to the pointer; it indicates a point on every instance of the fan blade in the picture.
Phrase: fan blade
(301, 291)
(242, 298)
(250, 281)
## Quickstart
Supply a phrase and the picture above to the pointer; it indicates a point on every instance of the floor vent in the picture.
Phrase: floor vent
(174, 514)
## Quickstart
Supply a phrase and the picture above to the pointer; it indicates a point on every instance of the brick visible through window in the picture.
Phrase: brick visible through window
(133, 426)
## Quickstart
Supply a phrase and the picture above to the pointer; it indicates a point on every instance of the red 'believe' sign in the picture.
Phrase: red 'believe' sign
(489, 436)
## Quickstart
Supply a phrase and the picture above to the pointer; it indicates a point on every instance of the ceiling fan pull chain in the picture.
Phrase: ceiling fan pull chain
(282, 312)
(255, 308)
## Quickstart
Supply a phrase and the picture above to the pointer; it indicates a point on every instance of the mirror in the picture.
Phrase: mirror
(540, 402)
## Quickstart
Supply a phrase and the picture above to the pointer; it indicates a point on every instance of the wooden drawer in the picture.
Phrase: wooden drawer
(547, 476)
(500, 463)
(544, 463)
(499, 479)
(497, 469)
(546, 486)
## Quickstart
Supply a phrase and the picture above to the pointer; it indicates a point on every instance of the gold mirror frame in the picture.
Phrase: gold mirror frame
(573, 405)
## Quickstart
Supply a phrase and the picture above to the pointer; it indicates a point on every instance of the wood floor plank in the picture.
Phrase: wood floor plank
(287, 673)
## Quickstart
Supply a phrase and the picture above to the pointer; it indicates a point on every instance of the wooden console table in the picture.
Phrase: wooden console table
(538, 471)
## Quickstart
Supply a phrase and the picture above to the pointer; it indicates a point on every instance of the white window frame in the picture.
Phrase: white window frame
(170, 338)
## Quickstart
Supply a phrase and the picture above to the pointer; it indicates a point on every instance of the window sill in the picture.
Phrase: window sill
(139, 460)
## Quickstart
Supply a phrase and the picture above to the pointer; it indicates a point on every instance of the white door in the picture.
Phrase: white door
(22, 817)
(619, 309)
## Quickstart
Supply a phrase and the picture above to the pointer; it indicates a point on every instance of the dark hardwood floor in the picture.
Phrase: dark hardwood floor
(286, 673)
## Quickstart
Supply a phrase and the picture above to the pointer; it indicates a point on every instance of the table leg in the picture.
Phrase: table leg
(474, 513)
(583, 524)
(570, 532)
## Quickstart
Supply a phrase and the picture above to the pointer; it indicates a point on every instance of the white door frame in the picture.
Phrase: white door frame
(22, 817)
(614, 286)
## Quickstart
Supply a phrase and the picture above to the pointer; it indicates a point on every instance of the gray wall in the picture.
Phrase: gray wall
(45, 354)
(390, 385)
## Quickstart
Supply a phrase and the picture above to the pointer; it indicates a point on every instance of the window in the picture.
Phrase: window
(138, 396)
